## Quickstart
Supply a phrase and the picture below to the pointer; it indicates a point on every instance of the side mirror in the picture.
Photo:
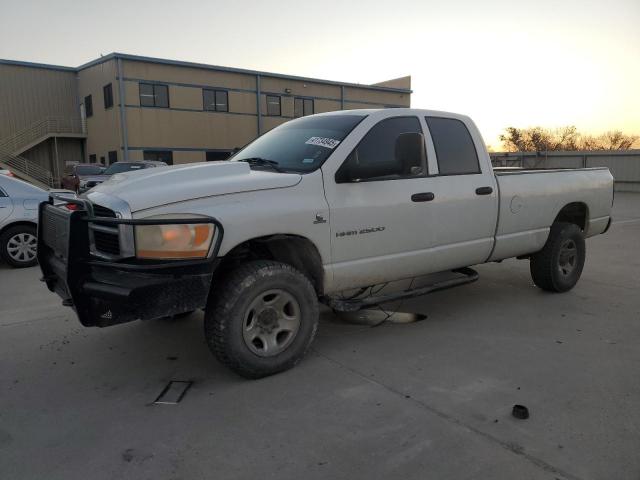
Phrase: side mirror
(411, 153)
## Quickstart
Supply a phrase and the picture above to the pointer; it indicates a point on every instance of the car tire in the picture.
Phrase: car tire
(558, 266)
(262, 318)
(18, 246)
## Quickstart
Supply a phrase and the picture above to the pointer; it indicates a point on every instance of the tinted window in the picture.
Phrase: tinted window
(123, 167)
(273, 105)
(222, 101)
(154, 95)
(88, 170)
(107, 92)
(302, 107)
(165, 156)
(215, 100)
(301, 145)
(454, 147)
(377, 155)
(88, 106)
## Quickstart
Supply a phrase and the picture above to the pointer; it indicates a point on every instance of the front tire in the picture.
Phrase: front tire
(18, 246)
(261, 318)
(558, 266)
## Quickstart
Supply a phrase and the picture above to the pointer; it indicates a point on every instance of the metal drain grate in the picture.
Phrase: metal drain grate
(173, 393)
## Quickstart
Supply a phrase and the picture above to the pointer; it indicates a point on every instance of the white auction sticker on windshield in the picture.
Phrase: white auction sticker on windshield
(323, 142)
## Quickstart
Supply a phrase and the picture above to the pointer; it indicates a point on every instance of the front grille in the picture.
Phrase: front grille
(106, 238)
(54, 229)
(100, 211)
(106, 242)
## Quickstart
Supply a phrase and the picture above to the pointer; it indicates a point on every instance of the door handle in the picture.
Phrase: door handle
(484, 191)
(422, 197)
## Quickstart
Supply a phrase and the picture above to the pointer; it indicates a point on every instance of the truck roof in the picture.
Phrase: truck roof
(392, 112)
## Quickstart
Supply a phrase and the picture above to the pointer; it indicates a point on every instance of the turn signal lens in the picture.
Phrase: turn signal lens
(174, 241)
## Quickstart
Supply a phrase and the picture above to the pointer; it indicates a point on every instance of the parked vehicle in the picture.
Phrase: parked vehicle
(18, 220)
(76, 175)
(329, 207)
(91, 181)
(6, 172)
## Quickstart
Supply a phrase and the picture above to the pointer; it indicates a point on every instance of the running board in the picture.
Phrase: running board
(355, 304)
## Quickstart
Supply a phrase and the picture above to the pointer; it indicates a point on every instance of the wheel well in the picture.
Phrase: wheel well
(576, 212)
(299, 252)
(15, 224)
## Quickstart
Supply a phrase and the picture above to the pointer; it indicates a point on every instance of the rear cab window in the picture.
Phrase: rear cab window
(455, 151)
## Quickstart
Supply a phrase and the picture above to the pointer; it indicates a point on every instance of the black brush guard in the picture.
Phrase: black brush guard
(105, 293)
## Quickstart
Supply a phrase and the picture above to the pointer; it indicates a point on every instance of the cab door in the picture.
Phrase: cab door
(380, 225)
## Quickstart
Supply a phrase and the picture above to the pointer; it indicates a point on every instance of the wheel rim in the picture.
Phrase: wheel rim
(22, 247)
(568, 257)
(271, 322)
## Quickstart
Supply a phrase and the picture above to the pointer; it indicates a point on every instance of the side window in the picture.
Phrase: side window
(393, 148)
(454, 146)
(154, 95)
(88, 106)
(273, 105)
(107, 93)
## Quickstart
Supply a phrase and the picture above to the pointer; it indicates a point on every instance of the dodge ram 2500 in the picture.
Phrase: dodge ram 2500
(328, 208)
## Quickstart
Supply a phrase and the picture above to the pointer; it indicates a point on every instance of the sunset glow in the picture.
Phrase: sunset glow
(547, 63)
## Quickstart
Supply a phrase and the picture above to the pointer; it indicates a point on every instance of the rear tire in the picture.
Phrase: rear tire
(18, 245)
(261, 318)
(558, 266)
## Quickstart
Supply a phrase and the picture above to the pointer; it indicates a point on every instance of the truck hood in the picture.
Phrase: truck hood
(153, 187)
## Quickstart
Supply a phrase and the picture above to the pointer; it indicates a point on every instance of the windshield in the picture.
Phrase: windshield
(88, 170)
(120, 167)
(300, 145)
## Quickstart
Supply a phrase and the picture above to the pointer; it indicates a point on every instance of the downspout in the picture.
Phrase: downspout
(123, 115)
(258, 95)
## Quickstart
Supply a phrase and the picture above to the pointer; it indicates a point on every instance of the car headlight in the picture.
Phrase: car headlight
(174, 241)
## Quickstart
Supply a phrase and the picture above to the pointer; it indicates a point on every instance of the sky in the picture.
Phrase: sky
(502, 62)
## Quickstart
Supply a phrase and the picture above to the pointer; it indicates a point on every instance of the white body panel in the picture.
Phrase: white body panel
(396, 238)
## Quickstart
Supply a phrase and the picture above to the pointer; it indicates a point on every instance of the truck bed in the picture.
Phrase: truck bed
(530, 200)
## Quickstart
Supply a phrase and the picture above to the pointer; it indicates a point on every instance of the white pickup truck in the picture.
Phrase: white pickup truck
(330, 208)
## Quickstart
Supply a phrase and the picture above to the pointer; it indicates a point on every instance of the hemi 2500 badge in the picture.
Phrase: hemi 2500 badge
(349, 233)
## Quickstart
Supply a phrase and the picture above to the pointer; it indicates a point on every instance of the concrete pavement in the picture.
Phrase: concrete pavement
(430, 399)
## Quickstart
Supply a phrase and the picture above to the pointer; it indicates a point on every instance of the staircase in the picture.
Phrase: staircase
(11, 147)
(27, 170)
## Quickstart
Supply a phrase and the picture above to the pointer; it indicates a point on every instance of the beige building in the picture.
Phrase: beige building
(125, 107)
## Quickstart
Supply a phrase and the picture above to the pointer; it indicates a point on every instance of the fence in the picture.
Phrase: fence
(624, 164)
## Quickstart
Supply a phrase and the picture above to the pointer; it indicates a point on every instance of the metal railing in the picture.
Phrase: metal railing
(27, 167)
(40, 129)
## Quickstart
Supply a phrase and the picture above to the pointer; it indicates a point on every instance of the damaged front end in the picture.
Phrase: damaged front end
(80, 251)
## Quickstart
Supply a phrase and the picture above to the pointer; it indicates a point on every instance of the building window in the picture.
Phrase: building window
(165, 156)
(113, 156)
(154, 95)
(88, 106)
(215, 100)
(218, 155)
(273, 105)
(93, 158)
(302, 107)
(107, 92)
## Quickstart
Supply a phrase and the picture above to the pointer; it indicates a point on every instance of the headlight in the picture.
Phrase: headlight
(174, 241)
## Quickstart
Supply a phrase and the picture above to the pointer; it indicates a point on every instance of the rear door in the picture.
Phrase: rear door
(465, 205)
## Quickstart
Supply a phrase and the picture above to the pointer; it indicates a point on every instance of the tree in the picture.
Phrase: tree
(538, 139)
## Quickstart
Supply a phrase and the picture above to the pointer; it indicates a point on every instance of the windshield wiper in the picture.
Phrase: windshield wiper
(262, 162)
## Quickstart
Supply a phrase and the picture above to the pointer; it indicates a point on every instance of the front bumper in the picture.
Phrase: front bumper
(105, 293)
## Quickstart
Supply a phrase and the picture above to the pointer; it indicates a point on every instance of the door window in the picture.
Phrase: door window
(454, 146)
(388, 151)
